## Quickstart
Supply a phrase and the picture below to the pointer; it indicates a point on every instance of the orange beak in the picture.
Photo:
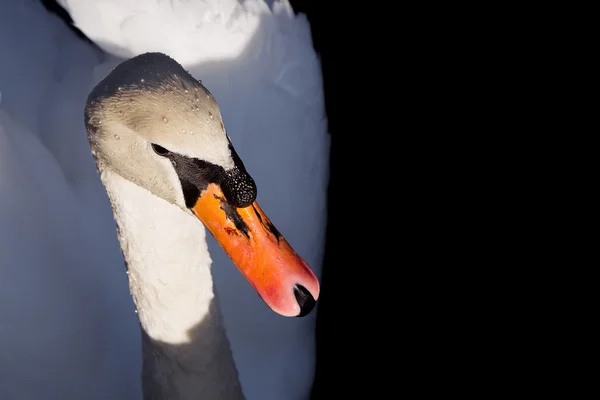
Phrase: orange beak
(279, 275)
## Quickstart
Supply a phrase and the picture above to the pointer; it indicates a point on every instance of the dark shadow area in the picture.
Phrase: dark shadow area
(174, 364)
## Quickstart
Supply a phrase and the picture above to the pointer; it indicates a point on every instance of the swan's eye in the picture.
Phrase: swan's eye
(161, 151)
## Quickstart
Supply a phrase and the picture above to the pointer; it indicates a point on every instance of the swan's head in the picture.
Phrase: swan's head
(152, 123)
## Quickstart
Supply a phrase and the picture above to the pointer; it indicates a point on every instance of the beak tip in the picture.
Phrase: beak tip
(305, 300)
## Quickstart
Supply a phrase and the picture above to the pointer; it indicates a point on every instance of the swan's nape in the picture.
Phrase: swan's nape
(152, 123)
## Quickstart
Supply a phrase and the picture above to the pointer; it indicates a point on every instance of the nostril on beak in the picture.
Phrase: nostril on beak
(305, 300)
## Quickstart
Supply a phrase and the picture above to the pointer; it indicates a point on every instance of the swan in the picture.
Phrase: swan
(163, 154)
(72, 304)
(259, 62)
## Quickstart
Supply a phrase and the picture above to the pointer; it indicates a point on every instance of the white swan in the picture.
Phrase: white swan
(160, 145)
(268, 85)
(260, 64)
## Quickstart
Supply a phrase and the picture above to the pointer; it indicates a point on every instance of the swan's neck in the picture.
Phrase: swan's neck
(186, 351)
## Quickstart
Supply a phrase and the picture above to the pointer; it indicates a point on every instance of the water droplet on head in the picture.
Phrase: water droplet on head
(183, 131)
(191, 132)
(165, 120)
(185, 90)
(142, 80)
(99, 121)
(117, 136)
(210, 115)
(197, 108)
(197, 99)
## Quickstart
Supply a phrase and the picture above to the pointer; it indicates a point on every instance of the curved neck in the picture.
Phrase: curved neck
(186, 351)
